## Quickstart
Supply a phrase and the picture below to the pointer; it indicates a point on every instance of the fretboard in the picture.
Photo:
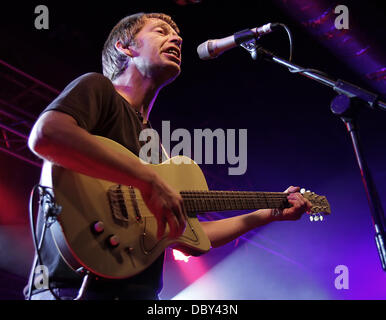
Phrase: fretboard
(207, 201)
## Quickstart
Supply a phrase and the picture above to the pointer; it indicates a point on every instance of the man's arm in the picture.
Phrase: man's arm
(221, 232)
(56, 137)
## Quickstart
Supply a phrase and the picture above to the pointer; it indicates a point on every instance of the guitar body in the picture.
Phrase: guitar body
(123, 243)
(107, 228)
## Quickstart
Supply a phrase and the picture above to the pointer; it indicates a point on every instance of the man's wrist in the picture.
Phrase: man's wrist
(263, 216)
(276, 214)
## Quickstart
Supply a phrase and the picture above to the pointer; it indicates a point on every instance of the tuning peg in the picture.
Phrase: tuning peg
(321, 218)
(311, 218)
(302, 190)
(308, 191)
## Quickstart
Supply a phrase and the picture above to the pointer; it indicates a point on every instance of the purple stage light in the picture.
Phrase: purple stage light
(350, 45)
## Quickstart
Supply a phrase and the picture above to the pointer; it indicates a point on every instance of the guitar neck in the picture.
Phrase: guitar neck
(207, 201)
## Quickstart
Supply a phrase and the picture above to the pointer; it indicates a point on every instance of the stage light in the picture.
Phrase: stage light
(179, 256)
(185, 2)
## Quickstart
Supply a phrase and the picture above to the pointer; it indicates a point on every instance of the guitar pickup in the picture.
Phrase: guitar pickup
(117, 203)
(122, 197)
(134, 203)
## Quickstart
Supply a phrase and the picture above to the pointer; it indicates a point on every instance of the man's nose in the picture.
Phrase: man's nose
(176, 39)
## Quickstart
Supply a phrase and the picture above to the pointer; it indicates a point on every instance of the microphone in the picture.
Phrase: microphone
(213, 48)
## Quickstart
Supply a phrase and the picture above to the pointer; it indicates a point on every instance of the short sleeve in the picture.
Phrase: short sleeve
(87, 99)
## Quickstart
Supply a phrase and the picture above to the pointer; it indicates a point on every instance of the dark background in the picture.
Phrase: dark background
(293, 138)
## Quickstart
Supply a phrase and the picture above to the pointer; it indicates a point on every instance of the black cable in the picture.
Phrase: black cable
(37, 245)
(51, 210)
(33, 233)
(290, 39)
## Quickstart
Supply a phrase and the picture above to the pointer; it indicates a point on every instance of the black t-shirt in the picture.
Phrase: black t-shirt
(98, 108)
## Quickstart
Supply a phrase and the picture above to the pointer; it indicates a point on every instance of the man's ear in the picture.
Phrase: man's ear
(127, 51)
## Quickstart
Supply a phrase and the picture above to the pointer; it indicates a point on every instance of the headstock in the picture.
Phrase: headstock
(320, 205)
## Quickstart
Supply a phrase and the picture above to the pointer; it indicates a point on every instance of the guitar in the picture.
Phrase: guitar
(108, 230)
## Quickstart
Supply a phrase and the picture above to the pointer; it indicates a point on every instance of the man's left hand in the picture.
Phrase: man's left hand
(299, 204)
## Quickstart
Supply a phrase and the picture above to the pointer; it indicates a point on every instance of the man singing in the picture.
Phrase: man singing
(140, 57)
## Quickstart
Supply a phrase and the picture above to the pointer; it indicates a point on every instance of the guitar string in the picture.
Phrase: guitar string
(210, 200)
(200, 204)
(216, 195)
(197, 201)
(218, 200)
(212, 194)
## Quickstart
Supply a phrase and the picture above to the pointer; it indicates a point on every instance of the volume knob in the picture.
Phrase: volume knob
(114, 241)
(98, 227)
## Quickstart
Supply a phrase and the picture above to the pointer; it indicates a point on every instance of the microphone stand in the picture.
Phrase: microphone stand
(346, 105)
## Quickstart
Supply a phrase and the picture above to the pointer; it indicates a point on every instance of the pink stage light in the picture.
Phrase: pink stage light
(179, 256)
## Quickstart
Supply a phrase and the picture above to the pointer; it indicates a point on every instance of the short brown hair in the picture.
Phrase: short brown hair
(114, 62)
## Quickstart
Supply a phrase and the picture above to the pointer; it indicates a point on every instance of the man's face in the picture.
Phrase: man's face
(157, 53)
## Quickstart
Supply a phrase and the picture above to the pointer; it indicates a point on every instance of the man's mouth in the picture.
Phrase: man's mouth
(173, 52)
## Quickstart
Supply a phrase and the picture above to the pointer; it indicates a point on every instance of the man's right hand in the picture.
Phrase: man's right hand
(167, 206)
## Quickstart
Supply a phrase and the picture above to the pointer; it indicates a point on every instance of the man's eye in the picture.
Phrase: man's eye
(160, 31)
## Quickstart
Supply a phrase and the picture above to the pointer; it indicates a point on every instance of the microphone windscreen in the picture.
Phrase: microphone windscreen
(203, 51)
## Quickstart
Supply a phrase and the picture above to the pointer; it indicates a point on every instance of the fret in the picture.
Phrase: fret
(218, 205)
(233, 198)
(265, 199)
(221, 200)
(204, 204)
